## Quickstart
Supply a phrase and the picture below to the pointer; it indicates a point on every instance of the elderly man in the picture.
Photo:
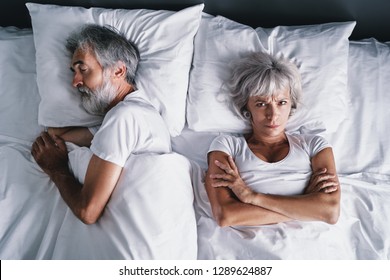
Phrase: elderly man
(104, 64)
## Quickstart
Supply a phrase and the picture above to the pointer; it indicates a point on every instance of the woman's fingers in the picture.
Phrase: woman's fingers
(330, 189)
(232, 164)
(322, 181)
(219, 184)
(224, 167)
(321, 176)
(222, 176)
(326, 186)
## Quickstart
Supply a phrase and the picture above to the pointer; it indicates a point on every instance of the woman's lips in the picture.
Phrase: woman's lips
(273, 126)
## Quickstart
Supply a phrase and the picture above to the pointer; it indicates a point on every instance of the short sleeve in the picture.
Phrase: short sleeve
(316, 144)
(223, 143)
(94, 129)
(117, 136)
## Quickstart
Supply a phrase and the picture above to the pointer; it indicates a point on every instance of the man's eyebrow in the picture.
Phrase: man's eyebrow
(74, 64)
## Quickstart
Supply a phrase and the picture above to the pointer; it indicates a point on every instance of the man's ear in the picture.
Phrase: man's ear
(120, 70)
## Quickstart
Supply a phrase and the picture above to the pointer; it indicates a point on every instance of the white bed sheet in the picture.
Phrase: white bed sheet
(149, 210)
(362, 231)
(150, 214)
(36, 223)
(363, 162)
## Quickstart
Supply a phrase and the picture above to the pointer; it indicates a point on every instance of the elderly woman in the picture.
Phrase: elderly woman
(265, 91)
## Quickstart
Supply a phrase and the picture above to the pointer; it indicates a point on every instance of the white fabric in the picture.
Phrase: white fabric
(149, 216)
(258, 174)
(165, 41)
(36, 223)
(131, 127)
(320, 52)
(362, 231)
(18, 89)
(149, 210)
(27, 200)
(363, 140)
(194, 145)
(363, 163)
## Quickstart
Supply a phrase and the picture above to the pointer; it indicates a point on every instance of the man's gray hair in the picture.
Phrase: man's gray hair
(260, 74)
(108, 46)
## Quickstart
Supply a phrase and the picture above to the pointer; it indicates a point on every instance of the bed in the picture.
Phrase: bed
(159, 210)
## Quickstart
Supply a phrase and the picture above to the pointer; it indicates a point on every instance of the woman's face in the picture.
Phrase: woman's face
(270, 115)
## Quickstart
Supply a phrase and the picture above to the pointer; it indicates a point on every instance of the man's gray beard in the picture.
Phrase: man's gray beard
(97, 101)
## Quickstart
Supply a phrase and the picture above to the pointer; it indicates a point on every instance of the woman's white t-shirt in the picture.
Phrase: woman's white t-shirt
(288, 176)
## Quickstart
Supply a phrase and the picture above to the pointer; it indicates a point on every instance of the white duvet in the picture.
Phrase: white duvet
(363, 161)
(360, 232)
(150, 214)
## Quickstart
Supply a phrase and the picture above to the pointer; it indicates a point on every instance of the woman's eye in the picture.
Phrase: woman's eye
(283, 102)
(260, 104)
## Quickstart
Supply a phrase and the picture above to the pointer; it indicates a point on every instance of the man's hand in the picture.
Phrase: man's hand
(50, 153)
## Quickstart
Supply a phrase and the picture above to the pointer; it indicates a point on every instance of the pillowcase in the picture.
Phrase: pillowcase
(320, 52)
(19, 93)
(364, 137)
(165, 41)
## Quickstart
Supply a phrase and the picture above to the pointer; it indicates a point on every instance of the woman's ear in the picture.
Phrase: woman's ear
(247, 115)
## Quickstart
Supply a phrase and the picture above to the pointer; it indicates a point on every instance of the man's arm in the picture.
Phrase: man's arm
(86, 201)
(78, 135)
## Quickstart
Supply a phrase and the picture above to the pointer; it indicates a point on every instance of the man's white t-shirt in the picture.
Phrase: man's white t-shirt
(284, 177)
(133, 126)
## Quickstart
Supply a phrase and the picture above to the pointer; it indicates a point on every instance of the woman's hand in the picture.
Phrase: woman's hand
(230, 178)
(322, 181)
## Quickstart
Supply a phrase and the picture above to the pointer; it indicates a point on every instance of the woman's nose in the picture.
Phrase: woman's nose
(272, 112)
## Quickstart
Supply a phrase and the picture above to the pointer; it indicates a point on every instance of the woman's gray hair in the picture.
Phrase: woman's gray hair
(108, 46)
(260, 74)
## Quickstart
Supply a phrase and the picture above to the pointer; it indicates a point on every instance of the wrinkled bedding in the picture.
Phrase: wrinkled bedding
(141, 220)
(159, 209)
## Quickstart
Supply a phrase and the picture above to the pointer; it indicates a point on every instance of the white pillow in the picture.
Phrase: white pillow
(363, 139)
(165, 41)
(320, 52)
(19, 93)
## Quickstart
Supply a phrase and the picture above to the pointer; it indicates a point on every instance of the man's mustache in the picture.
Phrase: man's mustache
(85, 92)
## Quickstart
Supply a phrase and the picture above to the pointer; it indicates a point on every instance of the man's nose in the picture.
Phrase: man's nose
(77, 80)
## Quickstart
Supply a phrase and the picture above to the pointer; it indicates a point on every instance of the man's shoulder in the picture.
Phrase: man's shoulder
(133, 110)
(132, 106)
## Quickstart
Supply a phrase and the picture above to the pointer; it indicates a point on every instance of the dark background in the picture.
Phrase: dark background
(372, 16)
